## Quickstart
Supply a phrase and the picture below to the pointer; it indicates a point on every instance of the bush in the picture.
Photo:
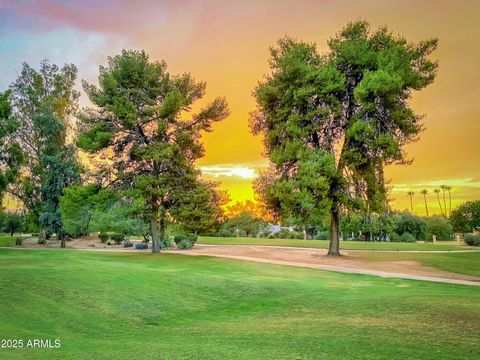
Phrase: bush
(13, 223)
(472, 240)
(34, 234)
(185, 241)
(440, 227)
(166, 243)
(323, 235)
(41, 241)
(415, 225)
(394, 237)
(118, 238)
(103, 237)
(408, 238)
(141, 246)
(18, 242)
(224, 232)
(109, 242)
(296, 235)
(184, 245)
(127, 244)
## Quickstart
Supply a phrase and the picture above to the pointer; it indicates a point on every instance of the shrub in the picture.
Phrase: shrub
(34, 234)
(323, 235)
(440, 227)
(127, 244)
(296, 235)
(407, 237)
(18, 242)
(41, 241)
(472, 240)
(118, 238)
(141, 246)
(179, 237)
(109, 242)
(415, 225)
(13, 223)
(103, 237)
(181, 240)
(166, 243)
(394, 237)
(184, 244)
(192, 238)
(224, 232)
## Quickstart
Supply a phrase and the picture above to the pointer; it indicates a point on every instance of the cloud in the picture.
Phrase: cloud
(468, 182)
(242, 170)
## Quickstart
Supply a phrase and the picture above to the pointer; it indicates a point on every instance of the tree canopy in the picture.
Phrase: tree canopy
(140, 122)
(332, 122)
(33, 141)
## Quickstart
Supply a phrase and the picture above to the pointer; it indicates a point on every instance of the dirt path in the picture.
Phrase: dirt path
(316, 259)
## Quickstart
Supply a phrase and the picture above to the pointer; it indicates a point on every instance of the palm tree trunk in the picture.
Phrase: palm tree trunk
(440, 204)
(444, 203)
(426, 206)
(449, 202)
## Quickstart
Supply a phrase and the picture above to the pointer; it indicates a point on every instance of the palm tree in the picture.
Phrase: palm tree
(424, 192)
(437, 191)
(449, 189)
(411, 193)
(444, 188)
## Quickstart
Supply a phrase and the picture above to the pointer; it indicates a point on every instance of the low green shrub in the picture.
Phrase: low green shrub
(222, 232)
(394, 237)
(408, 238)
(41, 241)
(296, 235)
(18, 242)
(34, 234)
(103, 237)
(109, 242)
(127, 244)
(183, 239)
(141, 246)
(472, 240)
(166, 243)
(184, 244)
(323, 235)
(118, 238)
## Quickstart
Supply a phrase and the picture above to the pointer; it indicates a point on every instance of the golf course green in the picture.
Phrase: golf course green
(144, 306)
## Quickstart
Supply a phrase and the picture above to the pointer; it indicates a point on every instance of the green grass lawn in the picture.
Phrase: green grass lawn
(7, 240)
(323, 244)
(463, 263)
(143, 306)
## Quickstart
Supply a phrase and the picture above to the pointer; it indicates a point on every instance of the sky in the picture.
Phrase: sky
(226, 44)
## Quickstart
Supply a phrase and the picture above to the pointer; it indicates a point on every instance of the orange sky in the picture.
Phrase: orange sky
(226, 44)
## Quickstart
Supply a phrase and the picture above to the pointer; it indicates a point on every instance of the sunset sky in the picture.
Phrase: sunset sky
(226, 44)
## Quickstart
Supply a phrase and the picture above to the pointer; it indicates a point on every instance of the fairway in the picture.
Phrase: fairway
(125, 306)
(323, 244)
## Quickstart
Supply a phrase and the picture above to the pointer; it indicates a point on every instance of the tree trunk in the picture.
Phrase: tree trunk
(334, 247)
(163, 228)
(155, 238)
(62, 243)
